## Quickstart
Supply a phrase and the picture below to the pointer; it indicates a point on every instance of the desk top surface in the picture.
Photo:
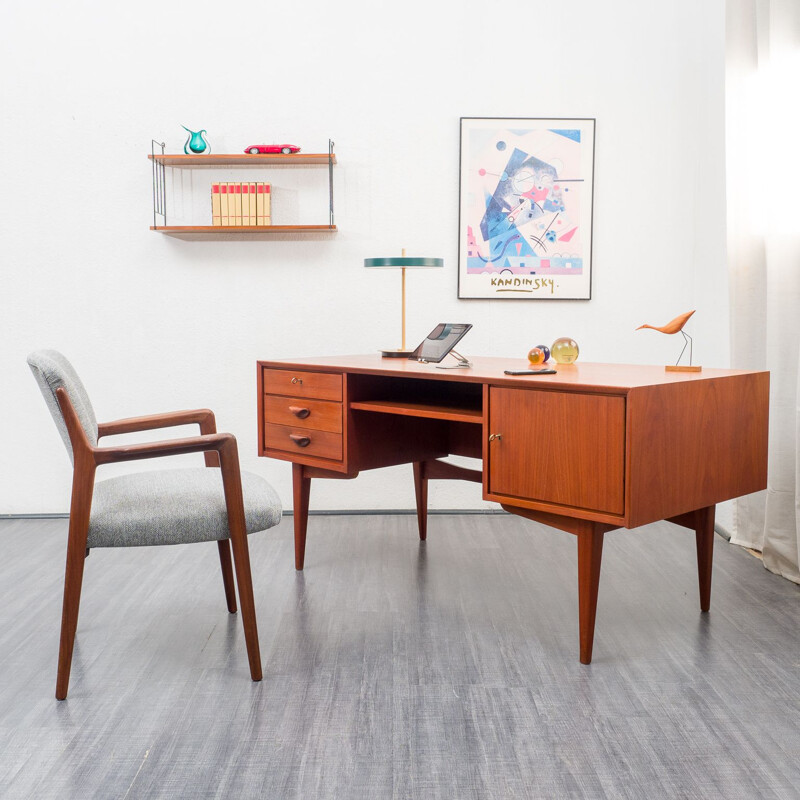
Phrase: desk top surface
(491, 370)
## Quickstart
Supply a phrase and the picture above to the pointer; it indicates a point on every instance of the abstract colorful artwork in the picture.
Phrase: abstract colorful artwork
(525, 218)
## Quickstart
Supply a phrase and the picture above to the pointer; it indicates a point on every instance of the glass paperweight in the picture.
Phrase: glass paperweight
(196, 143)
(565, 350)
(546, 350)
(536, 356)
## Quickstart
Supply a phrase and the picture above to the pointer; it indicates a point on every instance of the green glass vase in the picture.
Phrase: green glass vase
(196, 143)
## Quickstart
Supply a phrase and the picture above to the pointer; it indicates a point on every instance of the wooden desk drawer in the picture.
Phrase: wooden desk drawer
(304, 441)
(299, 383)
(318, 415)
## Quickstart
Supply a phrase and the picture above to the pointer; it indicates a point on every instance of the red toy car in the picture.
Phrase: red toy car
(254, 149)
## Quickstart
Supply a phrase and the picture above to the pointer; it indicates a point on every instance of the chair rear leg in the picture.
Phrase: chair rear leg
(224, 547)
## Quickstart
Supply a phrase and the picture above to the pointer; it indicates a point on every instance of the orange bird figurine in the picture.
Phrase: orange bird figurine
(676, 326)
(671, 327)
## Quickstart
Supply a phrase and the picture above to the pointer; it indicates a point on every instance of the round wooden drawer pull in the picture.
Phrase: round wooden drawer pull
(300, 441)
(299, 411)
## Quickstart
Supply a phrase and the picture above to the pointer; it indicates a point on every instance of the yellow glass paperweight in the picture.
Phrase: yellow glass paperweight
(565, 350)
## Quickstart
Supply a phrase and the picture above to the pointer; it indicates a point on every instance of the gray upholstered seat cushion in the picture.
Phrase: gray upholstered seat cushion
(174, 506)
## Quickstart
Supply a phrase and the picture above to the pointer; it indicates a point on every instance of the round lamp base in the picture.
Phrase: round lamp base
(396, 353)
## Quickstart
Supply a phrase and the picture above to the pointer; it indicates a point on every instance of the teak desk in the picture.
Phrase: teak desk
(593, 448)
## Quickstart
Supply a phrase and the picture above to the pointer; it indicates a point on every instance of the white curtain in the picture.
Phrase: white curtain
(763, 187)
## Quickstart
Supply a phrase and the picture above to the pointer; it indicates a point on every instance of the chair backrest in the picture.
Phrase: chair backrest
(52, 371)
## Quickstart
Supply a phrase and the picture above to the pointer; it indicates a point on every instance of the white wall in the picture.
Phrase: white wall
(153, 323)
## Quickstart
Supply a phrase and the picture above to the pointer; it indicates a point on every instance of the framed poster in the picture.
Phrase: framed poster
(525, 210)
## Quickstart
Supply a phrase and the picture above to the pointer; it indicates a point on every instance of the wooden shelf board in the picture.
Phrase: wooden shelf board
(429, 410)
(243, 228)
(241, 159)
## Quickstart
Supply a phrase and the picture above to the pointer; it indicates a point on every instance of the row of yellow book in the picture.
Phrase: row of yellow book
(241, 204)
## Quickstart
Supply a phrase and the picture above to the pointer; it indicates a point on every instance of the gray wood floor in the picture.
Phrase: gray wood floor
(399, 670)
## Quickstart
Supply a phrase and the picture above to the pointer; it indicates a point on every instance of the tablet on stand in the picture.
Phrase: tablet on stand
(440, 343)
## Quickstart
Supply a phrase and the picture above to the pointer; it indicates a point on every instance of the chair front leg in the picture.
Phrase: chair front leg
(209, 425)
(234, 502)
(80, 508)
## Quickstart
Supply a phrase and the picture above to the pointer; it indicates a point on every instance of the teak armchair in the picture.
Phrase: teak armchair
(150, 508)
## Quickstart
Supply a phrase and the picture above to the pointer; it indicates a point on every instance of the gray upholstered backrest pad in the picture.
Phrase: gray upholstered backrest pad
(52, 371)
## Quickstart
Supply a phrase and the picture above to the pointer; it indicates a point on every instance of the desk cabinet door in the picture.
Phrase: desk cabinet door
(558, 448)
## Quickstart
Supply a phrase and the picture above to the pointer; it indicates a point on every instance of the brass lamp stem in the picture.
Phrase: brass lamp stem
(403, 280)
(403, 270)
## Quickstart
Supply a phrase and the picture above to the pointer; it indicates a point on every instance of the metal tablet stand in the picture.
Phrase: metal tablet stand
(463, 363)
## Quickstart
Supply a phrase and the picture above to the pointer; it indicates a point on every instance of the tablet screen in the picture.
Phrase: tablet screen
(440, 341)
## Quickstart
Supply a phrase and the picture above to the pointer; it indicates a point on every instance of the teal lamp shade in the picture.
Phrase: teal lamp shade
(402, 263)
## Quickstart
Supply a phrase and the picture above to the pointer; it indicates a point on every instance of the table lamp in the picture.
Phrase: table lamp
(402, 262)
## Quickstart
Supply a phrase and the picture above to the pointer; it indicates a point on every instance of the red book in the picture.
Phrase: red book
(224, 212)
(235, 213)
(216, 210)
(263, 204)
(245, 190)
(253, 204)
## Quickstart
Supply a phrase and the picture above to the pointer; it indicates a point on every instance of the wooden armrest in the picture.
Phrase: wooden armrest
(170, 447)
(203, 416)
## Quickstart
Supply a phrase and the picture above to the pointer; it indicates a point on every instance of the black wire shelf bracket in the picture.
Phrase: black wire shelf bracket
(330, 178)
(159, 184)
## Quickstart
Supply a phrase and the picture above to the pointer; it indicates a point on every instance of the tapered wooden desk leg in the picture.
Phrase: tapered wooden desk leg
(421, 490)
(704, 531)
(301, 486)
(590, 553)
